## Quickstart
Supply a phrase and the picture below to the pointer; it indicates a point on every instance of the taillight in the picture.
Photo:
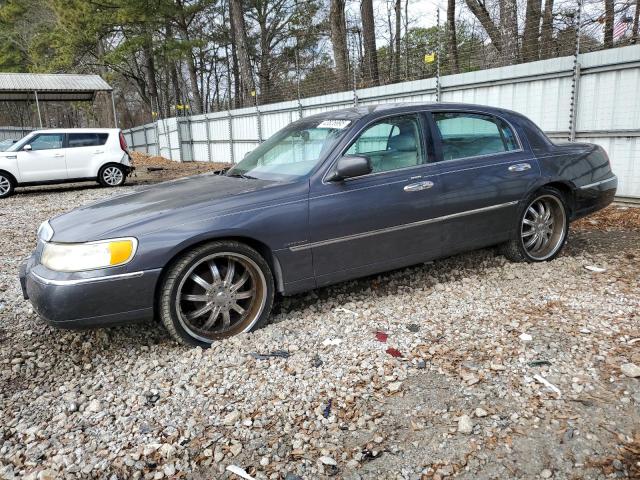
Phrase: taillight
(123, 142)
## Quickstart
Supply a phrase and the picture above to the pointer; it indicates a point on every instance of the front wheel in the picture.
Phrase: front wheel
(216, 291)
(7, 185)
(542, 228)
(112, 176)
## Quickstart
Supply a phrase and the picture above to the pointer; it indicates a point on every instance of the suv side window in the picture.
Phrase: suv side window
(473, 134)
(47, 141)
(87, 139)
(391, 144)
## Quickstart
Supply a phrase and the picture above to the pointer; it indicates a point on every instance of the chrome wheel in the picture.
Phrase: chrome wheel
(5, 186)
(221, 295)
(543, 227)
(112, 176)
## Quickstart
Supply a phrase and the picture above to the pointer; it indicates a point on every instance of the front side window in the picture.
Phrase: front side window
(47, 141)
(292, 152)
(87, 139)
(470, 135)
(390, 144)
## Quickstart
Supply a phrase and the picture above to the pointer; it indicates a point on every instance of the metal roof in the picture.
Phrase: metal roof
(50, 86)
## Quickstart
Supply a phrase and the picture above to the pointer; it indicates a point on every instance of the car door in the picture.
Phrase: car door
(45, 160)
(377, 221)
(85, 152)
(485, 171)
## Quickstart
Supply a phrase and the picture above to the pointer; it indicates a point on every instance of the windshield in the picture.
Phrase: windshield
(292, 152)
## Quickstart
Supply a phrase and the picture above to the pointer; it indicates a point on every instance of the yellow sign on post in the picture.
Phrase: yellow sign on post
(429, 57)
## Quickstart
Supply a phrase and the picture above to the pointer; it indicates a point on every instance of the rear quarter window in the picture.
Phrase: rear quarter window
(87, 139)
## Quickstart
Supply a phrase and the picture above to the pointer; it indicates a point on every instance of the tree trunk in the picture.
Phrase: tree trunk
(339, 42)
(196, 108)
(636, 20)
(546, 50)
(398, 39)
(452, 41)
(265, 62)
(369, 37)
(509, 31)
(608, 23)
(531, 37)
(237, 81)
(150, 66)
(242, 49)
(480, 11)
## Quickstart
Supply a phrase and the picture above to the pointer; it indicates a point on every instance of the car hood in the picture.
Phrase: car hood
(158, 206)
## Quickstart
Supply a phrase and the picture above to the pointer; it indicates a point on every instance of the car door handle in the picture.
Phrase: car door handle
(99, 151)
(416, 187)
(519, 167)
(59, 155)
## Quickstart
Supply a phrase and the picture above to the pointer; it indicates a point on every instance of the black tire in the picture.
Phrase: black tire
(7, 185)
(112, 175)
(518, 249)
(183, 299)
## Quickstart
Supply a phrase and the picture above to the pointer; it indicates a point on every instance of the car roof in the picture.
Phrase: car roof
(77, 130)
(372, 111)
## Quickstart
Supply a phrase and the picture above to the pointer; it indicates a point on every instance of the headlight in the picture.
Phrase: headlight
(45, 232)
(76, 257)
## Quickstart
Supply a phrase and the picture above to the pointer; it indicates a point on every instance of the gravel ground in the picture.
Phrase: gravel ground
(427, 372)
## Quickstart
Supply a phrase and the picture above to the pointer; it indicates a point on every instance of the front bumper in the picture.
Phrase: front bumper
(87, 302)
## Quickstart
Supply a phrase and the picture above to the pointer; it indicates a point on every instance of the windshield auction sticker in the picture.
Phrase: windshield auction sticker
(334, 124)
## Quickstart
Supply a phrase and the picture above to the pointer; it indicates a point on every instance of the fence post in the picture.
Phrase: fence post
(355, 87)
(298, 83)
(438, 50)
(206, 129)
(232, 156)
(575, 81)
(146, 142)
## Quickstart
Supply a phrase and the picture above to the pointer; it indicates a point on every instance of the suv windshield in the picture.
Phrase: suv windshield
(292, 152)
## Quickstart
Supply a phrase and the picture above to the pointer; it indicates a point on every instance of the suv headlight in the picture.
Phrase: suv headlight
(77, 257)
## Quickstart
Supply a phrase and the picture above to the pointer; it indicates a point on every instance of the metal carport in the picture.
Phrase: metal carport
(42, 87)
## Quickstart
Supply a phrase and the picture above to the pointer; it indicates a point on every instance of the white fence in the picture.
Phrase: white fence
(15, 133)
(607, 110)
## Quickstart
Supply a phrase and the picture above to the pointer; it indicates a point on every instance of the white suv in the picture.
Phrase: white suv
(65, 155)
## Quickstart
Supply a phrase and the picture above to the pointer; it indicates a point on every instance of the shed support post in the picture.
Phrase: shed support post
(113, 105)
(35, 92)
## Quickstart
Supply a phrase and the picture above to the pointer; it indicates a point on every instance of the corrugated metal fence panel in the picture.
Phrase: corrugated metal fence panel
(624, 154)
(609, 100)
(608, 110)
(14, 133)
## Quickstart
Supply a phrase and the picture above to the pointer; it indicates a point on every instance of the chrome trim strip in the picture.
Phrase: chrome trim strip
(601, 182)
(395, 228)
(80, 281)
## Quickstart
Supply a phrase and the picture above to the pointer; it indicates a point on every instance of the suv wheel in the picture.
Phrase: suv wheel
(216, 291)
(7, 185)
(542, 228)
(112, 176)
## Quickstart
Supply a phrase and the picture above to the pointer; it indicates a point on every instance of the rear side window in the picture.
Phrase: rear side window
(87, 139)
(466, 135)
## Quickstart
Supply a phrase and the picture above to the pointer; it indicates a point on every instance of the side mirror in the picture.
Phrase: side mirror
(27, 148)
(350, 166)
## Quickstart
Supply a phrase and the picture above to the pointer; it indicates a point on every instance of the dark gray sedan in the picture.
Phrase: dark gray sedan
(329, 198)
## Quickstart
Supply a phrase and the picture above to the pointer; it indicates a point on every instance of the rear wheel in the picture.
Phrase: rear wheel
(542, 228)
(112, 176)
(216, 291)
(7, 185)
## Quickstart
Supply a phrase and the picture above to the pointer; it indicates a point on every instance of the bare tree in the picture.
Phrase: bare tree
(509, 30)
(636, 20)
(398, 8)
(369, 39)
(339, 41)
(546, 32)
(479, 9)
(609, 15)
(452, 41)
(240, 40)
(531, 36)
